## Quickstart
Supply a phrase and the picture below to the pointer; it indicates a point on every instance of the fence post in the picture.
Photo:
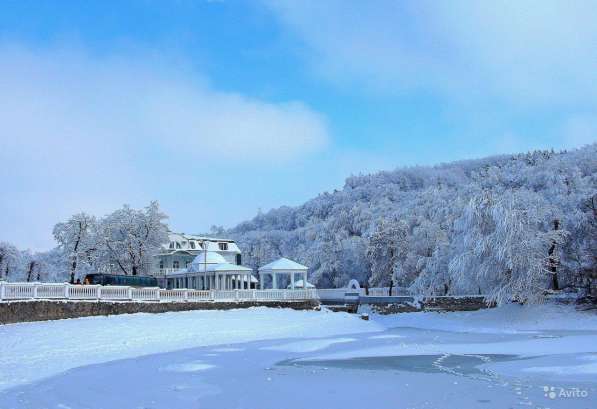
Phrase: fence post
(66, 291)
(34, 290)
(186, 295)
(284, 292)
(99, 292)
(236, 295)
(2, 291)
(130, 293)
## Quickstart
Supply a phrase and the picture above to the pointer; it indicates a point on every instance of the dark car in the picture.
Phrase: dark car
(119, 279)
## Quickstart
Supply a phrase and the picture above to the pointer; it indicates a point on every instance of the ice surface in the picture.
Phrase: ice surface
(309, 345)
(194, 366)
(386, 336)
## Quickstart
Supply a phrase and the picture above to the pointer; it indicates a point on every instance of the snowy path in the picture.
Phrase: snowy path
(275, 358)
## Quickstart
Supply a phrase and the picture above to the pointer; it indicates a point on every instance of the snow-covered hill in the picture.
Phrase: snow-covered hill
(500, 225)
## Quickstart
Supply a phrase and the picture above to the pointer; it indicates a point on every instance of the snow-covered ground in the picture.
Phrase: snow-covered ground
(512, 318)
(271, 358)
(34, 350)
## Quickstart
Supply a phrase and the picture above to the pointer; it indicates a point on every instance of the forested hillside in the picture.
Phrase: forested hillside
(511, 227)
(508, 226)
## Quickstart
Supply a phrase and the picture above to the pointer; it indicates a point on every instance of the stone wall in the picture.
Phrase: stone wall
(394, 305)
(43, 310)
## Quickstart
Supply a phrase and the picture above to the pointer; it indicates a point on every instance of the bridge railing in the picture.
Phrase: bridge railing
(41, 291)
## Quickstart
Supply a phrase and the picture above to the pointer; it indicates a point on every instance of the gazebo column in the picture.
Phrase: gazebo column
(305, 281)
(274, 281)
(248, 281)
(261, 281)
(292, 280)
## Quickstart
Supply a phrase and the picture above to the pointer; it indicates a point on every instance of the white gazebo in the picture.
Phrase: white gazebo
(210, 271)
(283, 266)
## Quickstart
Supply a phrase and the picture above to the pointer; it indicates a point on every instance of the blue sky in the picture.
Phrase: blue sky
(220, 108)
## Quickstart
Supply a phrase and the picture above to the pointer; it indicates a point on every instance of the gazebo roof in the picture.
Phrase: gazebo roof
(283, 264)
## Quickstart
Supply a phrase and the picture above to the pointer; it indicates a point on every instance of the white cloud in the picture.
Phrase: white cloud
(526, 53)
(82, 132)
(75, 97)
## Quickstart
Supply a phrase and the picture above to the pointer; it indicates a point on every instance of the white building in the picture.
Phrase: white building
(182, 249)
(210, 271)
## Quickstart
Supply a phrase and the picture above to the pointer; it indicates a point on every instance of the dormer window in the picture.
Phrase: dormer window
(192, 243)
(178, 245)
(171, 245)
(223, 246)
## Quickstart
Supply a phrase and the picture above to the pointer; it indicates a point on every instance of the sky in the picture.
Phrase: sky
(220, 109)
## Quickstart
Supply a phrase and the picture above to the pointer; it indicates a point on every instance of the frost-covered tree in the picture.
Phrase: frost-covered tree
(508, 246)
(10, 259)
(77, 238)
(387, 245)
(129, 239)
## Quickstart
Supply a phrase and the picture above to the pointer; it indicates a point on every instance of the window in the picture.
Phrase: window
(238, 259)
(171, 244)
(192, 245)
(177, 244)
(175, 264)
(161, 264)
(223, 246)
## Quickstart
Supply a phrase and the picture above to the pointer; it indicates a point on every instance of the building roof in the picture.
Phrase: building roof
(212, 258)
(283, 264)
(194, 243)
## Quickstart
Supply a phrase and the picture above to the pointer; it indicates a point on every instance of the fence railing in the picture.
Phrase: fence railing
(40, 291)
(332, 294)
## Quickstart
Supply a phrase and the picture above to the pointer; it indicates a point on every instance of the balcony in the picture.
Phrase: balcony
(162, 272)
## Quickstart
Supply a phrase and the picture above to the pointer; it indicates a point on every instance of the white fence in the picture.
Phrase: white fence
(51, 291)
(338, 294)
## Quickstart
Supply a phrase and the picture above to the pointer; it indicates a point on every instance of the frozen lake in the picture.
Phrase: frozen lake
(398, 367)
